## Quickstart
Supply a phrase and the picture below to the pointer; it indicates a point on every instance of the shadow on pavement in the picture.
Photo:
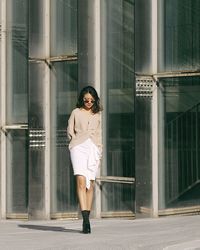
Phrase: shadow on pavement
(50, 228)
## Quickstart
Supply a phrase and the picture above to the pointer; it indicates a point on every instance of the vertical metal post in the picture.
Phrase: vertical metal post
(97, 45)
(104, 94)
(3, 108)
(155, 130)
(97, 79)
(47, 112)
(161, 138)
(155, 152)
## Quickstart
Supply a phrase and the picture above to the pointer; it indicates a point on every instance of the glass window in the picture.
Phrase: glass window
(118, 72)
(63, 27)
(16, 106)
(17, 62)
(120, 197)
(38, 73)
(63, 100)
(37, 29)
(180, 186)
(17, 172)
(143, 152)
(64, 78)
(182, 36)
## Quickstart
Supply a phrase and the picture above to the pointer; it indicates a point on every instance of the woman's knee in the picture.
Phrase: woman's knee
(81, 182)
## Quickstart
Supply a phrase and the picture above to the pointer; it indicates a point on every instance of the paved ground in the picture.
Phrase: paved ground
(168, 233)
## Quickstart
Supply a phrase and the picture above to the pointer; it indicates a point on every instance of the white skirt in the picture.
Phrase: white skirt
(85, 159)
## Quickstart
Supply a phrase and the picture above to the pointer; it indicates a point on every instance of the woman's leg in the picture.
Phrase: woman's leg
(89, 199)
(81, 192)
(82, 196)
(89, 196)
(85, 197)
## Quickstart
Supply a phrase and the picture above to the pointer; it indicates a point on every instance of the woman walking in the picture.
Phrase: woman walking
(84, 132)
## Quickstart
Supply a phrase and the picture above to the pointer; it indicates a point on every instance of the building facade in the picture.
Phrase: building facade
(143, 57)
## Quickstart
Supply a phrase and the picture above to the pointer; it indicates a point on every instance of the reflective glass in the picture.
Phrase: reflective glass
(143, 158)
(143, 36)
(38, 75)
(63, 27)
(119, 198)
(86, 42)
(63, 100)
(182, 36)
(180, 185)
(17, 62)
(17, 172)
(37, 29)
(118, 70)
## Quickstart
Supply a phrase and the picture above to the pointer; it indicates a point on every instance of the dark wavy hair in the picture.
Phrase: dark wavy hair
(96, 106)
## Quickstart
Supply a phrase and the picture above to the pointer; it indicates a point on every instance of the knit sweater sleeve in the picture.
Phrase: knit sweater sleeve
(99, 135)
(70, 127)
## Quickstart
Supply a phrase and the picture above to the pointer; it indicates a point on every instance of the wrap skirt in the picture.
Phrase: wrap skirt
(85, 159)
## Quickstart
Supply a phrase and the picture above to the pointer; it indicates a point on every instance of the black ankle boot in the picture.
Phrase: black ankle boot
(88, 225)
(86, 221)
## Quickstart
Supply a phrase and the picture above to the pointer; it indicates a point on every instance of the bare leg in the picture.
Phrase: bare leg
(85, 200)
(89, 196)
(81, 191)
(89, 199)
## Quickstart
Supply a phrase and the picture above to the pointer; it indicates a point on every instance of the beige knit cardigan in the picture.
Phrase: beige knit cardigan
(83, 125)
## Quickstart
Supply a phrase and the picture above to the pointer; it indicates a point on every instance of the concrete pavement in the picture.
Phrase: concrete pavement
(167, 233)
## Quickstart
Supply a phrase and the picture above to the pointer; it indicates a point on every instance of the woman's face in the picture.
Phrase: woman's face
(88, 101)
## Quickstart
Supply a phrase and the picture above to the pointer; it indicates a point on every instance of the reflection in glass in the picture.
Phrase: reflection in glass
(143, 156)
(118, 63)
(63, 27)
(37, 74)
(17, 62)
(119, 197)
(37, 107)
(17, 172)
(63, 100)
(37, 29)
(182, 39)
(182, 141)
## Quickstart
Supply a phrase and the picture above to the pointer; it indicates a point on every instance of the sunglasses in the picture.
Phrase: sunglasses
(88, 100)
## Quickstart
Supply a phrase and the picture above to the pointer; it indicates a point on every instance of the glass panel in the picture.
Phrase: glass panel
(118, 61)
(143, 37)
(38, 72)
(63, 100)
(36, 29)
(17, 172)
(86, 42)
(119, 197)
(182, 142)
(17, 62)
(143, 157)
(182, 36)
(63, 27)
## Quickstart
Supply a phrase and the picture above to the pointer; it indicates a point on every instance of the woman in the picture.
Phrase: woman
(84, 132)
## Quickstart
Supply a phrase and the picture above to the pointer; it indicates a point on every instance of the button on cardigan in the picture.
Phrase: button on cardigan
(83, 125)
